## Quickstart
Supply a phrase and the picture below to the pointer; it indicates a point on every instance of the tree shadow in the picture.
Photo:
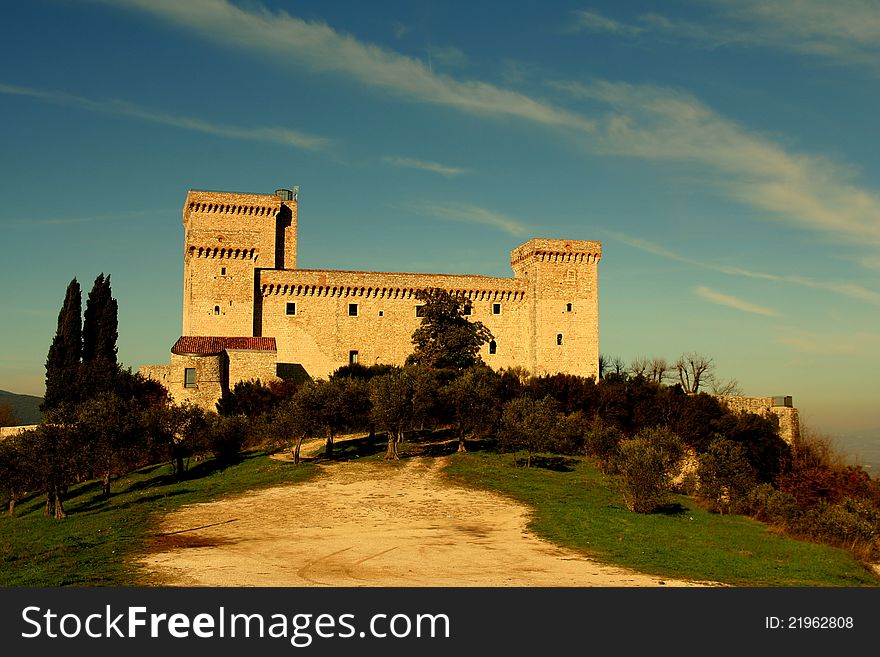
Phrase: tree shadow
(555, 463)
(97, 504)
(356, 448)
(671, 509)
(431, 448)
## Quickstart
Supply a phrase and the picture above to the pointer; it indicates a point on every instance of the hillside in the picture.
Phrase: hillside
(25, 407)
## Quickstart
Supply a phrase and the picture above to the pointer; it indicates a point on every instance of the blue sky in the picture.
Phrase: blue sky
(723, 151)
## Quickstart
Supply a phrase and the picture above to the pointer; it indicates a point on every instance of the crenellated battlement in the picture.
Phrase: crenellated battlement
(545, 250)
(223, 253)
(383, 292)
(234, 203)
(251, 210)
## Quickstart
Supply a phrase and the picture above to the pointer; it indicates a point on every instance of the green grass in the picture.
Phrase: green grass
(576, 506)
(97, 543)
(580, 508)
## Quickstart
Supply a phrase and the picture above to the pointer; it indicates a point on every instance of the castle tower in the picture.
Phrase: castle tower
(563, 299)
(228, 238)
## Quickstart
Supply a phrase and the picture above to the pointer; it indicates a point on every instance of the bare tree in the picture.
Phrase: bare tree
(640, 367)
(724, 387)
(658, 369)
(617, 365)
(693, 370)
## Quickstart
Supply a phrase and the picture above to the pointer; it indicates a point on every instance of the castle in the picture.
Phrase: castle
(249, 313)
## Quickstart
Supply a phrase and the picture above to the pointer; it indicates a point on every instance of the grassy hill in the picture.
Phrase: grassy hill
(25, 407)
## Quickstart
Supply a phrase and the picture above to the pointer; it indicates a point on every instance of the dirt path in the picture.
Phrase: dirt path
(370, 524)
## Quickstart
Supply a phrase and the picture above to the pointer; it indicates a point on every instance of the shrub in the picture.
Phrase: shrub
(646, 465)
(529, 424)
(226, 437)
(643, 477)
(768, 454)
(725, 476)
(850, 523)
(250, 398)
(568, 434)
(601, 441)
(767, 504)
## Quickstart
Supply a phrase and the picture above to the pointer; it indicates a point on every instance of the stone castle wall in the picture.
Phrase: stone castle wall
(789, 421)
(322, 334)
(9, 432)
(240, 279)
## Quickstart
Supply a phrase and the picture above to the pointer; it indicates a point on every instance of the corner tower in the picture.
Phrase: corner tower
(228, 238)
(563, 304)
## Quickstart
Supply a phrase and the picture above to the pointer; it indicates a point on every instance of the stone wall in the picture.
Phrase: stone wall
(211, 374)
(246, 364)
(8, 432)
(322, 334)
(789, 422)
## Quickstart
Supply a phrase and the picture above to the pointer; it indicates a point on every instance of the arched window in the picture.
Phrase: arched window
(216, 310)
(493, 347)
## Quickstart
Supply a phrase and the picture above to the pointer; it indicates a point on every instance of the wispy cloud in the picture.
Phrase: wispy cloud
(870, 262)
(472, 214)
(448, 56)
(123, 108)
(733, 302)
(434, 167)
(587, 20)
(86, 219)
(319, 48)
(843, 32)
(638, 121)
(852, 290)
(841, 288)
(656, 123)
(830, 344)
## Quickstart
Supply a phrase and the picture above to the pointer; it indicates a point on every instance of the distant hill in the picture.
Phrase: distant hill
(862, 447)
(25, 407)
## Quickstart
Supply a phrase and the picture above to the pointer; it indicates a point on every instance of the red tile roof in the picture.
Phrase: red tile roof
(207, 345)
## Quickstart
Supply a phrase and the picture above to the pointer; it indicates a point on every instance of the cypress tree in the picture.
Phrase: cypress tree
(100, 333)
(63, 361)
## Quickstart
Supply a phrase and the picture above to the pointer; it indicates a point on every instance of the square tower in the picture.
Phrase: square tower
(228, 237)
(563, 304)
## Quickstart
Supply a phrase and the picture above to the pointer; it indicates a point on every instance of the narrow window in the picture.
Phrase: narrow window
(216, 310)
(381, 313)
(223, 271)
(467, 310)
(420, 311)
(496, 308)
(559, 338)
(352, 310)
(568, 307)
(493, 348)
(189, 377)
(352, 358)
(291, 308)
